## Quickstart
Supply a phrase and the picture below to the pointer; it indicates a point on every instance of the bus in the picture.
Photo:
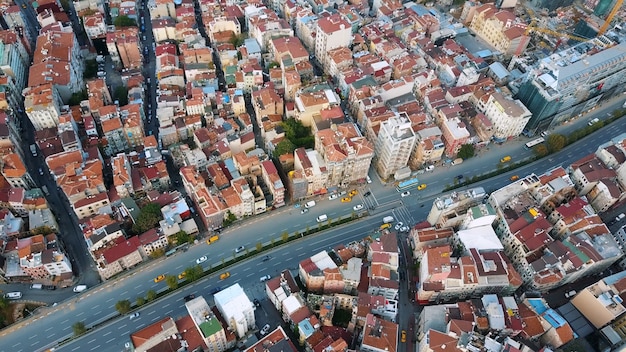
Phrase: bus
(407, 184)
(534, 142)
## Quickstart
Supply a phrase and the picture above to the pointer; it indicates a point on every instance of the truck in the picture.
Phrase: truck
(212, 239)
(33, 149)
(387, 219)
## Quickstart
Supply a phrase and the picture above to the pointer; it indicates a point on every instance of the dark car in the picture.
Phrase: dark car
(266, 258)
(189, 297)
(367, 194)
(458, 177)
(216, 290)
(49, 287)
(256, 303)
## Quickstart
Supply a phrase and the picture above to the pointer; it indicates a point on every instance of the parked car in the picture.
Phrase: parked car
(405, 194)
(201, 259)
(570, 294)
(353, 193)
(357, 207)
(240, 249)
(620, 217)
(79, 288)
(403, 336)
(404, 229)
(256, 303)
(368, 179)
(333, 197)
(399, 225)
(134, 315)
(265, 329)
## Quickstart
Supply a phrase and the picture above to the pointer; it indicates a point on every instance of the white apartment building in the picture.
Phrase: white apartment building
(394, 145)
(236, 308)
(209, 327)
(42, 105)
(313, 168)
(332, 32)
(508, 116)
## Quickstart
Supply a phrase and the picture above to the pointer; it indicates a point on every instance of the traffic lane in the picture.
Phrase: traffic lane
(244, 273)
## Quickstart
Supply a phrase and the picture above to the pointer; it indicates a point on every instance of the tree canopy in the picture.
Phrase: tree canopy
(124, 21)
(298, 134)
(149, 217)
(466, 151)
(123, 306)
(284, 147)
(556, 142)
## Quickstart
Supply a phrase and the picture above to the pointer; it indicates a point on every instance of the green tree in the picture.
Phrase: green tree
(284, 147)
(285, 236)
(79, 328)
(466, 151)
(273, 64)
(124, 21)
(171, 281)
(123, 306)
(140, 301)
(556, 142)
(41, 230)
(193, 273)
(76, 98)
(230, 218)
(157, 253)
(259, 246)
(236, 40)
(541, 150)
(121, 95)
(151, 295)
(149, 217)
(182, 237)
(91, 69)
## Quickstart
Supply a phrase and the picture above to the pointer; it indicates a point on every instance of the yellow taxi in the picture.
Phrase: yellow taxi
(421, 187)
(403, 336)
(225, 275)
(159, 278)
(346, 199)
(514, 178)
(353, 193)
(182, 275)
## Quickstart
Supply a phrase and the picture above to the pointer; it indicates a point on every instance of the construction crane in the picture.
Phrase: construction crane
(532, 28)
(609, 18)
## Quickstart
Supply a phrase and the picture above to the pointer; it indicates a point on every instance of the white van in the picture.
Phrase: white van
(13, 295)
(322, 218)
(310, 204)
(36, 286)
(79, 288)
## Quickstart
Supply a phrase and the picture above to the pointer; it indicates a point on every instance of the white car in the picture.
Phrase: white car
(79, 288)
(240, 249)
(201, 259)
(405, 194)
(399, 225)
(404, 229)
(368, 179)
(265, 278)
(265, 329)
(134, 315)
(357, 207)
(333, 196)
(620, 217)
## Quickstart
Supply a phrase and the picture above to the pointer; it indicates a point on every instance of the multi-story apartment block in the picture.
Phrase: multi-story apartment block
(346, 153)
(394, 145)
(122, 179)
(264, 25)
(332, 32)
(310, 166)
(450, 210)
(236, 308)
(115, 136)
(95, 26)
(454, 133)
(311, 101)
(429, 147)
(14, 171)
(601, 303)
(593, 179)
(210, 328)
(221, 29)
(508, 116)
(57, 60)
(274, 183)
(162, 8)
(43, 106)
(500, 29)
(13, 63)
(572, 81)
(123, 46)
